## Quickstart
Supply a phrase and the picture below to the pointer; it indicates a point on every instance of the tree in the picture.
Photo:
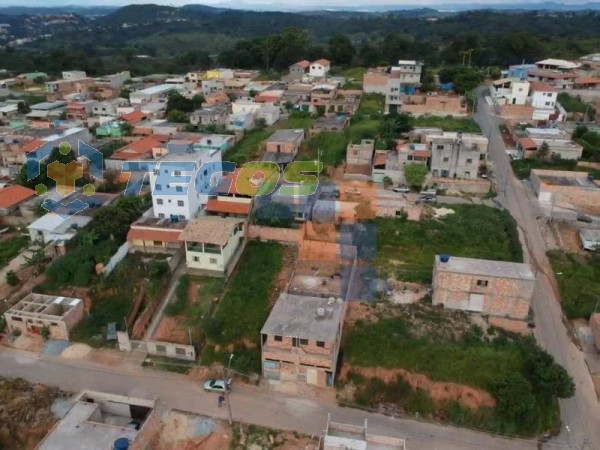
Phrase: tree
(415, 175)
(125, 93)
(23, 108)
(261, 124)
(515, 397)
(197, 100)
(178, 102)
(45, 332)
(274, 214)
(37, 260)
(178, 116)
(341, 50)
(393, 125)
(543, 151)
(11, 278)
(387, 182)
(126, 128)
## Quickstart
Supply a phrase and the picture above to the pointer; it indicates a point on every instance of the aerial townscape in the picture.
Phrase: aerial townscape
(299, 225)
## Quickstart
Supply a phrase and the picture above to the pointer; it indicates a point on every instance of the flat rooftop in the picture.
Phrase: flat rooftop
(44, 306)
(96, 421)
(153, 222)
(305, 317)
(288, 136)
(562, 178)
(485, 267)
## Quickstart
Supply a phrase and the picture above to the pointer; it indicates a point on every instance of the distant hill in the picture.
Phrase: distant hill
(55, 10)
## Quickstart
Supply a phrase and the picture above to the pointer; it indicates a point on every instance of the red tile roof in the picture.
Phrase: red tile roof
(13, 195)
(527, 143)
(380, 158)
(587, 80)
(303, 64)
(140, 147)
(323, 62)
(539, 86)
(133, 117)
(227, 207)
(31, 145)
(147, 234)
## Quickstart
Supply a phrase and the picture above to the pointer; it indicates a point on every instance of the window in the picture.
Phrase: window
(278, 338)
(196, 259)
(213, 260)
(469, 161)
(548, 103)
(161, 215)
(303, 341)
(467, 174)
(177, 173)
(482, 283)
(178, 188)
(446, 159)
(320, 344)
(439, 147)
(294, 342)
(180, 203)
(159, 201)
(181, 217)
(157, 187)
(206, 172)
(160, 348)
(157, 243)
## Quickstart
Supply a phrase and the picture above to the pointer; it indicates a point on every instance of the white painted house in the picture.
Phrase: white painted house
(180, 199)
(319, 68)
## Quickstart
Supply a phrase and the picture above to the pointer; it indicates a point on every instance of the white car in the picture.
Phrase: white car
(217, 385)
(401, 189)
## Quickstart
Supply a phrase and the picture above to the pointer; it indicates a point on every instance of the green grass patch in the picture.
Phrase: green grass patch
(354, 73)
(447, 123)
(332, 146)
(571, 104)
(406, 249)
(363, 129)
(167, 364)
(10, 248)
(179, 305)
(248, 148)
(245, 305)
(522, 167)
(298, 119)
(372, 104)
(578, 279)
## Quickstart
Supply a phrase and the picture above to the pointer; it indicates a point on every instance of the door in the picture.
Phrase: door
(311, 376)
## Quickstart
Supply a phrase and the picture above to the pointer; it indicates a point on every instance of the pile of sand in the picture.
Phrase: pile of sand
(76, 351)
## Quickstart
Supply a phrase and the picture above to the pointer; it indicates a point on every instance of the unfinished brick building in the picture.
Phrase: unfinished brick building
(495, 288)
(301, 339)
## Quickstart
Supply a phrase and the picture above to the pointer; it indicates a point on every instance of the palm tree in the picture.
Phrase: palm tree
(37, 260)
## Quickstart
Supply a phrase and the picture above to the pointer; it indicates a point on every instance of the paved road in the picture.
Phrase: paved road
(249, 404)
(581, 413)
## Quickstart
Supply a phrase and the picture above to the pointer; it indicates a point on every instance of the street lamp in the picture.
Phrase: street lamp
(227, 389)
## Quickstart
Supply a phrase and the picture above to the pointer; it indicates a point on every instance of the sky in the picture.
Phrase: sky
(273, 3)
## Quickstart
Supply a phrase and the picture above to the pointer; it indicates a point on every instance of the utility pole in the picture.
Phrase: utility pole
(227, 389)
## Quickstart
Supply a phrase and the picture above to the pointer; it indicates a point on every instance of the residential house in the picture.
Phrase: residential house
(495, 288)
(116, 80)
(558, 65)
(558, 79)
(160, 127)
(456, 154)
(53, 228)
(71, 75)
(559, 143)
(47, 110)
(214, 143)
(59, 315)
(345, 102)
(300, 340)
(566, 189)
(299, 69)
(360, 153)
(270, 114)
(110, 130)
(520, 71)
(135, 151)
(335, 124)
(11, 197)
(109, 107)
(589, 238)
(319, 68)
(153, 93)
(211, 116)
(213, 244)
(435, 105)
(154, 110)
(80, 110)
(8, 109)
(245, 105)
(543, 95)
(270, 97)
(413, 153)
(375, 81)
(64, 87)
(345, 436)
(225, 200)
(404, 79)
(134, 117)
(241, 121)
(96, 420)
(212, 85)
(509, 91)
(180, 196)
(152, 235)
(587, 83)
(283, 145)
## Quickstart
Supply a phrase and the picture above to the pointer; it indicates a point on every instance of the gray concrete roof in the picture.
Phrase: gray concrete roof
(291, 136)
(298, 316)
(484, 267)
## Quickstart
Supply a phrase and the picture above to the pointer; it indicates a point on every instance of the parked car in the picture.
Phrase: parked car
(352, 191)
(401, 189)
(217, 385)
(583, 218)
(429, 192)
(426, 200)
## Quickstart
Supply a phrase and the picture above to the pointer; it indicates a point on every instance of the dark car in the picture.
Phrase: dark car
(583, 218)
(426, 200)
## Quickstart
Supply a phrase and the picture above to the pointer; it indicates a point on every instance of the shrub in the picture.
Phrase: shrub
(11, 278)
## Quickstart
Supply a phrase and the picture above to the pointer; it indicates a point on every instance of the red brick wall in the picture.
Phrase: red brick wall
(274, 234)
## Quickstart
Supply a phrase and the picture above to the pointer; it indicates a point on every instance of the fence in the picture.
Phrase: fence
(116, 259)
(156, 348)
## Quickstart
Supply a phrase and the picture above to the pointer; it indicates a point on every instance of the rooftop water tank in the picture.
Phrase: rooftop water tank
(444, 258)
(121, 444)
